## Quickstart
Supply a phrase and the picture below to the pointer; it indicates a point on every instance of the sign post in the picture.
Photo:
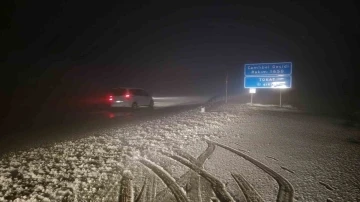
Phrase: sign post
(280, 99)
(268, 75)
(226, 88)
(252, 92)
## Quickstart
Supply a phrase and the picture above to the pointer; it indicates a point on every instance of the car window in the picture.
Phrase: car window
(136, 92)
(118, 91)
(144, 93)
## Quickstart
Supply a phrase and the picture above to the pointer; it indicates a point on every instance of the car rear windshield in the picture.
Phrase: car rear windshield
(138, 92)
(118, 91)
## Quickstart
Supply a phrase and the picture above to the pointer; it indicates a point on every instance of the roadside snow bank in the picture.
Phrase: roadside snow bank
(272, 107)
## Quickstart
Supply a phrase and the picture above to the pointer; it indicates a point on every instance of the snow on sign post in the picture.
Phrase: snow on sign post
(268, 75)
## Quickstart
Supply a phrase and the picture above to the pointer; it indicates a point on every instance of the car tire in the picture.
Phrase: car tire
(134, 106)
(151, 105)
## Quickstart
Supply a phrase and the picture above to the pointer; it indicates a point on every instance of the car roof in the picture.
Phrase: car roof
(128, 88)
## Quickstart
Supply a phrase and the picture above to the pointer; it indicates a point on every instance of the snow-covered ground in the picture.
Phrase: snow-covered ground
(272, 107)
(317, 156)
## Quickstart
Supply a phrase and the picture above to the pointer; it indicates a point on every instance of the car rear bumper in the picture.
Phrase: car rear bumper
(120, 104)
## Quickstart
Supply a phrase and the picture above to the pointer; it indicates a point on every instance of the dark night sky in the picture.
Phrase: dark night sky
(177, 47)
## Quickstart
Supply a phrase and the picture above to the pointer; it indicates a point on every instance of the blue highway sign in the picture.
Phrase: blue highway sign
(267, 82)
(268, 69)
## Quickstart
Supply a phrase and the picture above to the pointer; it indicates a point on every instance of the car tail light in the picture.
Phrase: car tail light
(110, 98)
(127, 95)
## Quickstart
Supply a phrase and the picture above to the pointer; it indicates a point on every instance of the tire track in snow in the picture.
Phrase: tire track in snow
(273, 158)
(186, 179)
(190, 181)
(170, 182)
(286, 191)
(250, 193)
(217, 186)
(287, 169)
(326, 186)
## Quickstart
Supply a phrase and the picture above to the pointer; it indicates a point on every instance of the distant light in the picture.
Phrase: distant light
(127, 95)
(110, 98)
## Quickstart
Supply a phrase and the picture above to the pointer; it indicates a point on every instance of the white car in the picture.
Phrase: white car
(130, 97)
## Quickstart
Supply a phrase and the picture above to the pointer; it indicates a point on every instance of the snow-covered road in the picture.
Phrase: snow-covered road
(314, 158)
(59, 124)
